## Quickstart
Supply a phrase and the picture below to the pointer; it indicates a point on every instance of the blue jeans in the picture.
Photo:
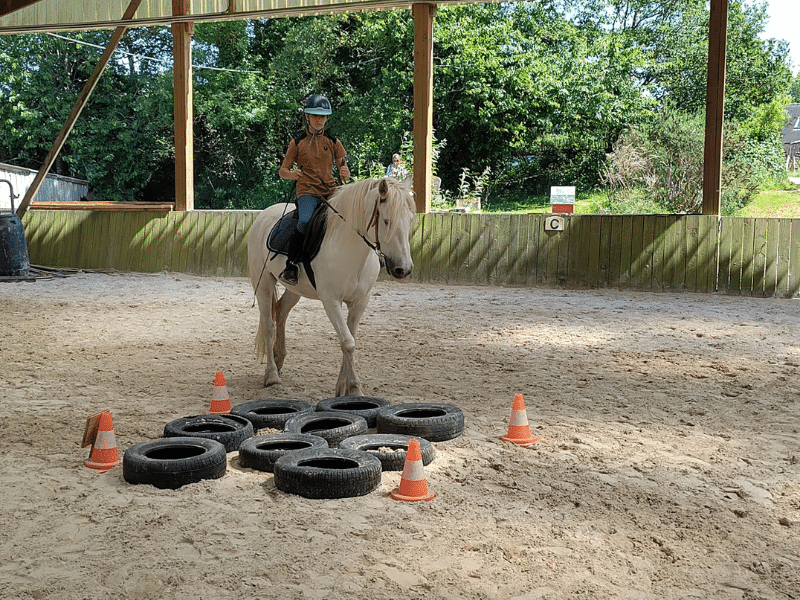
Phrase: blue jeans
(306, 205)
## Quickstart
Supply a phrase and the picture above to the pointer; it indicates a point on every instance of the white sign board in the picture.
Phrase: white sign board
(563, 194)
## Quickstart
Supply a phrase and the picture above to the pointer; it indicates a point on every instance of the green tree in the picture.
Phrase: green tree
(117, 143)
(537, 92)
(530, 94)
(794, 88)
(235, 144)
(40, 76)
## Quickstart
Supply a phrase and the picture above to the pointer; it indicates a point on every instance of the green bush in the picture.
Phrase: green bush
(250, 196)
(659, 167)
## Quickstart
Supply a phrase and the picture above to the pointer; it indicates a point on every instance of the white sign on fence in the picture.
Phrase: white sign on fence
(562, 194)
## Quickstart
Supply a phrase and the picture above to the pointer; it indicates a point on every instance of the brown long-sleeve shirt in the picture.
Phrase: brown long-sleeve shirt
(315, 155)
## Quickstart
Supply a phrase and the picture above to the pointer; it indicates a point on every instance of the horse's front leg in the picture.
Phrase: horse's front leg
(347, 384)
(355, 310)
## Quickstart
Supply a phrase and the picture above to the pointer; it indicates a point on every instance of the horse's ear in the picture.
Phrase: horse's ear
(409, 181)
(383, 189)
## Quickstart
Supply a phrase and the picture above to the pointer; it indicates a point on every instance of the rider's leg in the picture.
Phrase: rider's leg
(291, 273)
(305, 209)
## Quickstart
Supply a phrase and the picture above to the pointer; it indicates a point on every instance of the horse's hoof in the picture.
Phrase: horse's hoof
(272, 381)
(352, 391)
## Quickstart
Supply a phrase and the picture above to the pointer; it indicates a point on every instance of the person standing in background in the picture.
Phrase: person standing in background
(396, 169)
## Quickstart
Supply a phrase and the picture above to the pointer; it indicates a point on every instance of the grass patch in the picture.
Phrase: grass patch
(774, 204)
(771, 203)
(585, 203)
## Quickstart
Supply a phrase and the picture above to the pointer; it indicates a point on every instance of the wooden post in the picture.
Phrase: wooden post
(182, 106)
(423, 104)
(715, 106)
(83, 98)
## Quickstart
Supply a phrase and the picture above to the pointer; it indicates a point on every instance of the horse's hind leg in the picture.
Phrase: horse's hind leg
(265, 338)
(282, 309)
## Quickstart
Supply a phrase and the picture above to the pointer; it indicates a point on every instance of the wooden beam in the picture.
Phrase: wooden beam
(83, 98)
(182, 106)
(101, 205)
(423, 104)
(715, 106)
(9, 6)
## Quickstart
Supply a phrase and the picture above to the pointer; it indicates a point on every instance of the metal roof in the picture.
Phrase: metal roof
(55, 188)
(64, 15)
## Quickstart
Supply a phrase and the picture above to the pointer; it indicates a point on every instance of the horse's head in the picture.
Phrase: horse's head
(394, 212)
(380, 212)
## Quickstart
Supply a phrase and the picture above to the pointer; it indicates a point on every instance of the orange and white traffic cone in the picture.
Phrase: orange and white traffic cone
(519, 431)
(104, 454)
(413, 486)
(220, 403)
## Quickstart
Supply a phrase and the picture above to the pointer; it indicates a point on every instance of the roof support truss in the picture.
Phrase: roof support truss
(58, 143)
(182, 23)
(9, 6)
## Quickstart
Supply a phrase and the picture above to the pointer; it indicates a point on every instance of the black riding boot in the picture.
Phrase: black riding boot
(290, 274)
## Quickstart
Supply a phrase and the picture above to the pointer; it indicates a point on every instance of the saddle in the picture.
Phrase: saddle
(279, 238)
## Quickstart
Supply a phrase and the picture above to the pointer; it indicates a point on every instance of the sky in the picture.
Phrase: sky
(784, 24)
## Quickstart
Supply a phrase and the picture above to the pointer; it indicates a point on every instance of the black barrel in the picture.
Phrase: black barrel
(14, 261)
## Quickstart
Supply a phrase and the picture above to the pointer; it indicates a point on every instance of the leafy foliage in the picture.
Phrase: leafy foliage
(527, 94)
(659, 167)
(794, 89)
(120, 140)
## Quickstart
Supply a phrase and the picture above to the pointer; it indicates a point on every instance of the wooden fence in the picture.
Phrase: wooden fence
(759, 257)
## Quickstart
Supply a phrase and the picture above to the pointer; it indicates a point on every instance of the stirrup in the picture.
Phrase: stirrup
(290, 274)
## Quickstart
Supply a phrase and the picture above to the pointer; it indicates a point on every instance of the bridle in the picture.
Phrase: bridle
(376, 246)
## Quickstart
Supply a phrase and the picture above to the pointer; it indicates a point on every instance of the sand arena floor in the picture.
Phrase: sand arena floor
(668, 469)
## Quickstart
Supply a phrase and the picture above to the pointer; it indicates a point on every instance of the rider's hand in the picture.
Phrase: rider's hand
(297, 174)
(344, 172)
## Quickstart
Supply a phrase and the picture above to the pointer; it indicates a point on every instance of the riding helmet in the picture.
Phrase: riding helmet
(317, 105)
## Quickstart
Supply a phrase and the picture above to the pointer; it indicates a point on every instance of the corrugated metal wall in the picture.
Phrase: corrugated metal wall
(55, 188)
(758, 257)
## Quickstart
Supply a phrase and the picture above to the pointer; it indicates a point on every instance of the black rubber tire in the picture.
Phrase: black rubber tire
(170, 463)
(260, 452)
(327, 473)
(334, 426)
(434, 422)
(228, 430)
(390, 448)
(363, 406)
(271, 413)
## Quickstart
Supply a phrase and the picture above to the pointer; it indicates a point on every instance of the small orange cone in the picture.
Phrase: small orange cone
(104, 455)
(220, 403)
(413, 486)
(519, 431)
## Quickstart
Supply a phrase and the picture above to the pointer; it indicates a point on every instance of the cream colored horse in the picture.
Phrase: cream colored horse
(375, 216)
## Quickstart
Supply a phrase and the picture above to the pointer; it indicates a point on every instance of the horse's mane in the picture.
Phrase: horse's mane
(356, 201)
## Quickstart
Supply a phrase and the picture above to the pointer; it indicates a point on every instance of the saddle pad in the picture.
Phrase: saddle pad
(279, 238)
